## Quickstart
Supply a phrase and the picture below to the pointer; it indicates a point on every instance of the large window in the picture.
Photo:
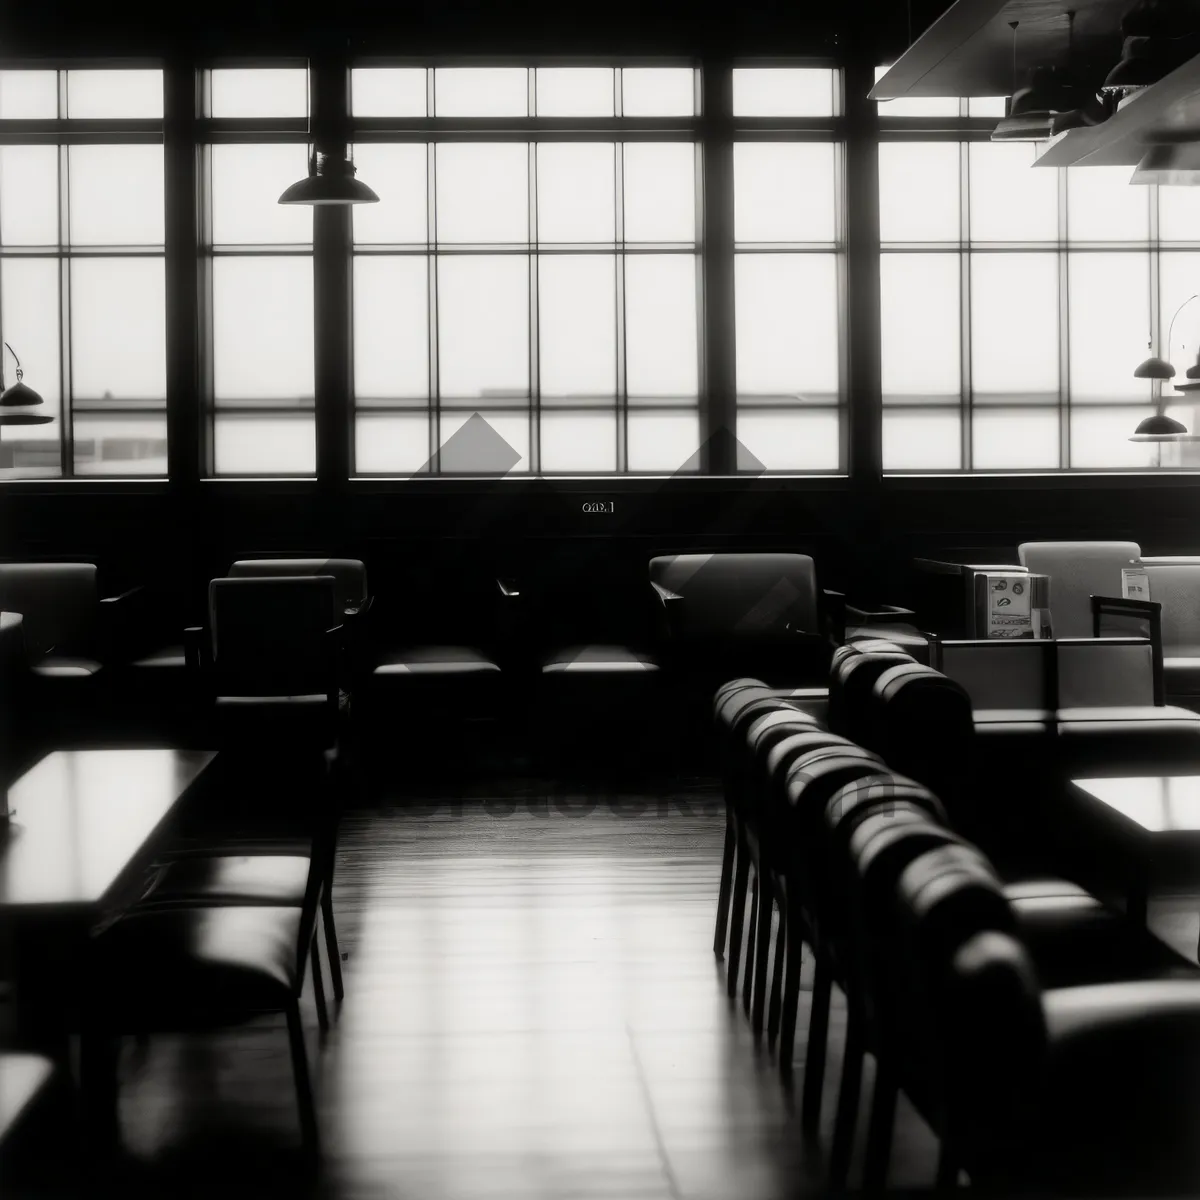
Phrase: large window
(82, 277)
(787, 169)
(526, 293)
(1016, 302)
(259, 277)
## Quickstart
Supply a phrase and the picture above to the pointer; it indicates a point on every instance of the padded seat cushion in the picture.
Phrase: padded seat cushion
(1133, 712)
(1181, 673)
(55, 666)
(231, 879)
(167, 658)
(200, 961)
(598, 659)
(435, 660)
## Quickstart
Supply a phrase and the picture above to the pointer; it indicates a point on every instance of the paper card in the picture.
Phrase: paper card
(1008, 613)
(1135, 583)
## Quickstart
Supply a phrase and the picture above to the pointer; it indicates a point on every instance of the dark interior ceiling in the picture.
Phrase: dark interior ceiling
(82, 27)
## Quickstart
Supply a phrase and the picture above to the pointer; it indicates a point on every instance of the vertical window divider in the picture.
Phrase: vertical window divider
(965, 252)
(534, 418)
(621, 431)
(66, 404)
(434, 403)
(862, 252)
(718, 389)
(1064, 325)
(185, 447)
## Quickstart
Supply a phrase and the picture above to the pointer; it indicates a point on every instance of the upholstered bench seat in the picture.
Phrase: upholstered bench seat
(427, 661)
(598, 659)
(55, 666)
(167, 658)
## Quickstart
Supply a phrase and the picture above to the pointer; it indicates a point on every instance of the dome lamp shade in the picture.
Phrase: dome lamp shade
(1158, 428)
(1154, 368)
(330, 180)
(16, 401)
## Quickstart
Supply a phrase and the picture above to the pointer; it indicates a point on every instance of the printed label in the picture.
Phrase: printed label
(1009, 613)
(1135, 583)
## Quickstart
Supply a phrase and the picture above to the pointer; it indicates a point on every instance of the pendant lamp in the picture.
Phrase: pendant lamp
(17, 401)
(1160, 427)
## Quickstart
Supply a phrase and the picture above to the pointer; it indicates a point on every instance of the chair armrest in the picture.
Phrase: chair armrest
(196, 648)
(667, 598)
(508, 588)
(886, 612)
(357, 614)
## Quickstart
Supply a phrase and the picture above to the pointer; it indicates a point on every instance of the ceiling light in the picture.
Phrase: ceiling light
(17, 401)
(330, 180)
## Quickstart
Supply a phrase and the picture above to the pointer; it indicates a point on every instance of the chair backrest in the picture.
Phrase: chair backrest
(850, 683)
(271, 636)
(1009, 673)
(1176, 586)
(740, 595)
(350, 575)
(58, 602)
(1078, 571)
(926, 731)
(1106, 672)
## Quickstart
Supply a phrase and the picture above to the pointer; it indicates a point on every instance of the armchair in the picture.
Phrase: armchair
(1078, 571)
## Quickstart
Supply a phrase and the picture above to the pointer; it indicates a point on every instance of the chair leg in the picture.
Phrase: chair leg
(776, 1006)
(847, 1109)
(766, 910)
(319, 987)
(818, 1042)
(722, 931)
(304, 1095)
(331, 945)
(741, 884)
(751, 948)
(793, 952)
(879, 1130)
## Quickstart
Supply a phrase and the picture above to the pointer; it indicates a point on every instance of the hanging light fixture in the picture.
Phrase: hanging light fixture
(330, 179)
(16, 401)
(1160, 427)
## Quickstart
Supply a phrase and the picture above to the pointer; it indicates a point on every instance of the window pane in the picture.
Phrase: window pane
(1178, 281)
(1014, 439)
(1100, 438)
(482, 192)
(658, 92)
(783, 92)
(391, 443)
(787, 326)
(577, 336)
(282, 444)
(29, 195)
(118, 329)
(491, 443)
(119, 444)
(247, 182)
(263, 328)
(922, 441)
(575, 91)
(397, 174)
(1101, 205)
(28, 95)
(916, 106)
(790, 441)
(254, 92)
(576, 191)
(1014, 327)
(391, 327)
(388, 92)
(664, 442)
(1109, 325)
(660, 326)
(481, 92)
(986, 106)
(920, 325)
(29, 314)
(660, 192)
(579, 442)
(483, 326)
(119, 94)
(1010, 200)
(117, 195)
(918, 192)
(1179, 214)
(784, 192)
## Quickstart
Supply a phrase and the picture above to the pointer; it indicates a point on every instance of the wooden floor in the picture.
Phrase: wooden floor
(533, 1011)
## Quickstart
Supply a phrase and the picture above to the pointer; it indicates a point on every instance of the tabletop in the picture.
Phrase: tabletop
(1157, 804)
(81, 817)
